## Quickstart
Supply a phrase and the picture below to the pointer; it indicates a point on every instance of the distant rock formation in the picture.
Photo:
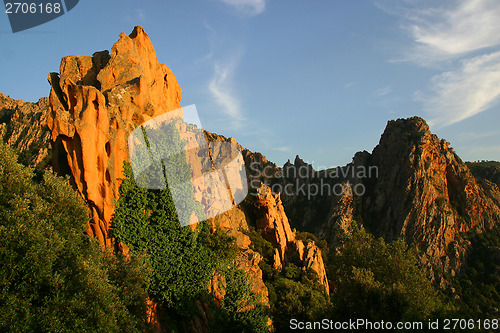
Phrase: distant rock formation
(485, 170)
(95, 102)
(23, 127)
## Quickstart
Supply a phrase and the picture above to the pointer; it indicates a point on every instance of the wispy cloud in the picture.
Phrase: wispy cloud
(136, 16)
(446, 30)
(382, 91)
(350, 84)
(462, 93)
(282, 148)
(474, 135)
(249, 7)
(461, 37)
(220, 86)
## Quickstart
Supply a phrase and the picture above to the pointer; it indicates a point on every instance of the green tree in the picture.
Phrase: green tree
(181, 263)
(478, 285)
(53, 277)
(379, 281)
(303, 300)
(240, 310)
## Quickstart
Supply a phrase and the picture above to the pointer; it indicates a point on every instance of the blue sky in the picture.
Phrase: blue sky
(315, 78)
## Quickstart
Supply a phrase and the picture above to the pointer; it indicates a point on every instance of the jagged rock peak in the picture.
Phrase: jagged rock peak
(415, 123)
(95, 102)
(425, 194)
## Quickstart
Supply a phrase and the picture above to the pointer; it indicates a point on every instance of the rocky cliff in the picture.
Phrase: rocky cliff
(273, 224)
(426, 195)
(414, 187)
(23, 127)
(95, 102)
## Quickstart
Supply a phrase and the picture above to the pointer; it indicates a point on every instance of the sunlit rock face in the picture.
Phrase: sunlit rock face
(95, 102)
(426, 195)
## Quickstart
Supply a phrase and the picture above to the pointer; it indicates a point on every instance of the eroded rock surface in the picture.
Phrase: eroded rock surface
(273, 224)
(95, 102)
(426, 195)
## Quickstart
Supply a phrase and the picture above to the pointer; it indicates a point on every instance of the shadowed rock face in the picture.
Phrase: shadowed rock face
(95, 102)
(264, 211)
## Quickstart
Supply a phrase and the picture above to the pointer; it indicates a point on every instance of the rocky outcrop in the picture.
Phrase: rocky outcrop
(95, 102)
(340, 216)
(264, 211)
(426, 195)
(22, 126)
(272, 222)
(413, 186)
(248, 261)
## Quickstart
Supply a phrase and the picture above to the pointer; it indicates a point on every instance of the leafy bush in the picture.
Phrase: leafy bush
(53, 278)
(479, 285)
(304, 301)
(240, 310)
(182, 261)
(379, 281)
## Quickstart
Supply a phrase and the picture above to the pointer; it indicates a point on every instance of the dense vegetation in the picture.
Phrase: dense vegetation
(53, 277)
(479, 285)
(369, 279)
(293, 292)
(379, 281)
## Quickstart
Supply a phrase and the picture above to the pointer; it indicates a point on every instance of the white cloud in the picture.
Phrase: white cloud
(463, 93)
(249, 7)
(220, 87)
(383, 91)
(453, 29)
(282, 148)
(461, 37)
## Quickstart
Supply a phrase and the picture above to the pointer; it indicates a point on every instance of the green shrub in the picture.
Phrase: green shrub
(53, 278)
(380, 281)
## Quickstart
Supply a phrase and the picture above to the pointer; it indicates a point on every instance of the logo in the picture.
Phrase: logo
(171, 152)
(25, 15)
